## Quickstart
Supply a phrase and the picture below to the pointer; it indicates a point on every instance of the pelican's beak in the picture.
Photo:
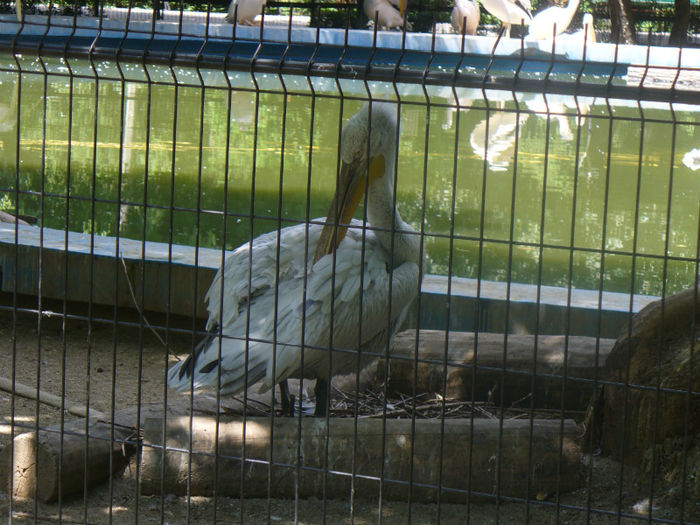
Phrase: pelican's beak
(352, 185)
(402, 7)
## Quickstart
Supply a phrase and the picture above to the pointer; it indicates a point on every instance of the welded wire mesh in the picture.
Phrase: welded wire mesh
(551, 192)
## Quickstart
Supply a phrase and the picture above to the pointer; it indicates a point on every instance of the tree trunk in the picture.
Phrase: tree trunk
(621, 22)
(679, 31)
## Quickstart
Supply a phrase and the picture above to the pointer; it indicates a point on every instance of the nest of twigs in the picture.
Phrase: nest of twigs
(430, 405)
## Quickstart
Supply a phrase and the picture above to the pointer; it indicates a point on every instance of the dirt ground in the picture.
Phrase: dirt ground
(107, 362)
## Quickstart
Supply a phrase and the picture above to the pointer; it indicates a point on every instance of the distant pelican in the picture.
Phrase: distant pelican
(386, 13)
(546, 22)
(277, 297)
(509, 12)
(247, 11)
(588, 30)
(468, 9)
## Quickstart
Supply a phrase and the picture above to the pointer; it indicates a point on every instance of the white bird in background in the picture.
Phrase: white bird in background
(509, 12)
(468, 9)
(385, 12)
(588, 30)
(247, 11)
(553, 20)
(277, 297)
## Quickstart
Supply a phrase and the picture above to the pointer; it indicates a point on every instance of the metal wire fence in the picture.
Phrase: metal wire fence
(505, 333)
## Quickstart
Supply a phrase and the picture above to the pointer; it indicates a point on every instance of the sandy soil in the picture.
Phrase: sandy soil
(104, 362)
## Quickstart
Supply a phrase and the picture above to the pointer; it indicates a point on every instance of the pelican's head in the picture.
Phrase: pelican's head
(367, 152)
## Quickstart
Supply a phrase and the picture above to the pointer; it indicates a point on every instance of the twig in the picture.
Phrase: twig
(48, 399)
(138, 309)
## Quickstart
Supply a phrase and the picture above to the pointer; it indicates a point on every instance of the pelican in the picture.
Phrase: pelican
(552, 21)
(247, 11)
(587, 32)
(509, 12)
(468, 9)
(277, 298)
(385, 12)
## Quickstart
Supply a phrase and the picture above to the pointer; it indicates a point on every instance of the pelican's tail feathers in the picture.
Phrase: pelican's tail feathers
(201, 367)
(180, 374)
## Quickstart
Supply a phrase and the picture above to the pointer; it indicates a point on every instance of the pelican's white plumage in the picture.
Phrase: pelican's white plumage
(279, 269)
(588, 31)
(553, 20)
(509, 12)
(468, 9)
(386, 12)
(247, 11)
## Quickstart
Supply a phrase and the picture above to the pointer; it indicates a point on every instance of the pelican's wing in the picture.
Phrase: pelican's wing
(338, 284)
(252, 278)
(242, 286)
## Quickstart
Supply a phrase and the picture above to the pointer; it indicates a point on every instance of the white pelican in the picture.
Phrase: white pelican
(588, 32)
(262, 322)
(247, 11)
(509, 12)
(468, 9)
(386, 13)
(546, 22)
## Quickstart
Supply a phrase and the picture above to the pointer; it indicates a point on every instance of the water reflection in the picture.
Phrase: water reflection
(692, 159)
(493, 139)
(152, 175)
(243, 109)
(8, 112)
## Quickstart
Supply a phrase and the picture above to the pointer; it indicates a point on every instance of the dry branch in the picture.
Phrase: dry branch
(30, 392)
(497, 462)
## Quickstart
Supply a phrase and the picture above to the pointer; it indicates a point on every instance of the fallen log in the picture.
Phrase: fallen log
(500, 376)
(49, 467)
(30, 465)
(487, 458)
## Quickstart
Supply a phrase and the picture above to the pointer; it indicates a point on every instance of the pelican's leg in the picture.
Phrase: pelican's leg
(287, 405)
(321, 393)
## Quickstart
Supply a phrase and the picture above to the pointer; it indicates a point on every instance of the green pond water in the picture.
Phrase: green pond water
(148, 159)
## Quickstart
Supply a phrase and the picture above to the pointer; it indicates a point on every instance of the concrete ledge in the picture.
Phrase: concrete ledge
(167, 274)
(518, 310)
(175, 279)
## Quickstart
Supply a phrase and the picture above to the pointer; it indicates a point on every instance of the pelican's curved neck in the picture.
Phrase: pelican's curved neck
(571, 8)
(396, 236)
